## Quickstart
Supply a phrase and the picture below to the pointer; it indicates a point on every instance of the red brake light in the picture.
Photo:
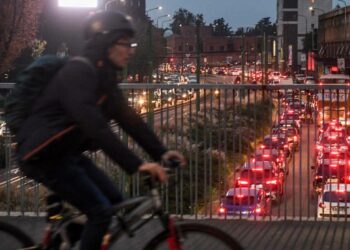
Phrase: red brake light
(271, 182)
(266, 156)
(333, 165)
(242, 182)
(295, 138)
(257, 169)
(258, 210)
(222, 210)
(240, 196)
(319, 147)
(274, 138)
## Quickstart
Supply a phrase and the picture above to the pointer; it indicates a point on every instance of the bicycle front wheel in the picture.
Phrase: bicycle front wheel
(196, 236)
(12, 238)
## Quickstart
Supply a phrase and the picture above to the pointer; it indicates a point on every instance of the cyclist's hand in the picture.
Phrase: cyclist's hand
(154, 169)
(172, 156)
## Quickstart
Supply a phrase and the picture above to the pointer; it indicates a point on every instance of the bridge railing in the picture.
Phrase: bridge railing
(225, 131)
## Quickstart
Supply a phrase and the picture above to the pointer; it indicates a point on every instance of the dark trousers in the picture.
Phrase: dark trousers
(78, 181)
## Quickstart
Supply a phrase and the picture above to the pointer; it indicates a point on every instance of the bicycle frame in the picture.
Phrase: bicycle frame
(127, 223)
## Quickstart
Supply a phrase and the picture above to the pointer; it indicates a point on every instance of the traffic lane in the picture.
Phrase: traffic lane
(298, 200)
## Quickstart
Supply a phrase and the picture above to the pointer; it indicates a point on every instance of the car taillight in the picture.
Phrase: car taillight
(295, 138)
(344, 148)
(319, 147)
(285, 146)
(258, 210)
(242, 182)
(222, 210)
(347, 179)
(333, 165)
(271, 182)
(322, 205)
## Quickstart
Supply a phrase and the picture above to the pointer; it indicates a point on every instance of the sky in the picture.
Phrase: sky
(237, 13)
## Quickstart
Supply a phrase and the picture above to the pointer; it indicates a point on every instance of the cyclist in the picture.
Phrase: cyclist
(72, 115)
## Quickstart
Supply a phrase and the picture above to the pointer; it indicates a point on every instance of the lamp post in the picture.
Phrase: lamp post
(167, 15)
(155, 8)
(166, 21)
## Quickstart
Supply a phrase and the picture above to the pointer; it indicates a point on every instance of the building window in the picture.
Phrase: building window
(190, 48)
(290, 4)
(222, 48)
(180, 48)
(290, 16)
(230, 47)
(211, 48)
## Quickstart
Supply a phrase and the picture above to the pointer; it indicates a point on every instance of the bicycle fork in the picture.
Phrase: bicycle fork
(174, 238)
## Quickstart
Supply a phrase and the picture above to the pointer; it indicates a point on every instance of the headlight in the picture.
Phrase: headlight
(216, 92)
(169, 99)
(184, 95)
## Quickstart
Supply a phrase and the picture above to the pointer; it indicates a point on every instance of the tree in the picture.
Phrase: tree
(265, 25)
(18, 28)
(221, 28)
(185, 17)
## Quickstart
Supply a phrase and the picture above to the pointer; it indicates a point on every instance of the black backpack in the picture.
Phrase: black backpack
(30, 84)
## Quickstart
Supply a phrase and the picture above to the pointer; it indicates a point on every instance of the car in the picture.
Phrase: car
(292, 134)
(334, 200)
(245, 201)
(309, 80)
(274, 155)
(299, 78)
(279, 142)
(336, 170)
(263, 175)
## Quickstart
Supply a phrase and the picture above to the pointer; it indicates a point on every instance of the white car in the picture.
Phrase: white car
(334, 200)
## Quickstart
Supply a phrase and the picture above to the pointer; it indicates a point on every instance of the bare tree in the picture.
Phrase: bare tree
(18, 28)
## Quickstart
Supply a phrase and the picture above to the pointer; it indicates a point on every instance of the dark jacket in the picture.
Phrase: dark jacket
(72, 116)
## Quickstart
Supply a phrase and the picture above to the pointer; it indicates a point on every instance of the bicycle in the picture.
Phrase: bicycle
(129, 217)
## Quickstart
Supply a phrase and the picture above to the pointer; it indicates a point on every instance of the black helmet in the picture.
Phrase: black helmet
(107, 22)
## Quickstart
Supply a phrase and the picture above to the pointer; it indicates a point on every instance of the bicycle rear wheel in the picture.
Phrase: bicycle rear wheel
(196, 236)
(12, 238)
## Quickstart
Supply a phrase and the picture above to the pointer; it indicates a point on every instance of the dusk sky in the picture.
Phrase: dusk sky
(238, 13)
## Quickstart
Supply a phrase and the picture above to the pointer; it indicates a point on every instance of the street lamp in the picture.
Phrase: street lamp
(167, 15)
(312, 9)
(156, 8)
(166, 21)
(111, 1)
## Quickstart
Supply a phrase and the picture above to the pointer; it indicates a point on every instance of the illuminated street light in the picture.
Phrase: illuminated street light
(78, 3)
(156, 8)
(168, 15)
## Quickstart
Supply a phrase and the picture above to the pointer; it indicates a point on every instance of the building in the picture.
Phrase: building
(334, 41)
(216, 50)
(294, 21)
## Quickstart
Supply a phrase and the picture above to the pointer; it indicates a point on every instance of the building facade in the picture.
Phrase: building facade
(216, 50)
(334, 41)
(294, 21)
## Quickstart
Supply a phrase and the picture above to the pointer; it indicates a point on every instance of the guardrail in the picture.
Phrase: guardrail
(221, 129)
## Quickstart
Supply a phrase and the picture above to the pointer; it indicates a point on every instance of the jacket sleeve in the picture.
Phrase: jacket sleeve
(133, 124)
(77, 94)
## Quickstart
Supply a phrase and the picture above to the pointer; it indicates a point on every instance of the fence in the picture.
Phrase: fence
(253, 151)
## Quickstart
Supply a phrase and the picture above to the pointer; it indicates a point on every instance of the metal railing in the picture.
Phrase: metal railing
(221, 128)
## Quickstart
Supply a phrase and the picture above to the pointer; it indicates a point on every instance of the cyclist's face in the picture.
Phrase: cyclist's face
(121, 52)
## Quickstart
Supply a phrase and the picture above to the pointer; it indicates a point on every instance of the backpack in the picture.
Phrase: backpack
(31, 82)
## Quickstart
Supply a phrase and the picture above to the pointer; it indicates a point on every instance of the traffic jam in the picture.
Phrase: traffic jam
(260, 183)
